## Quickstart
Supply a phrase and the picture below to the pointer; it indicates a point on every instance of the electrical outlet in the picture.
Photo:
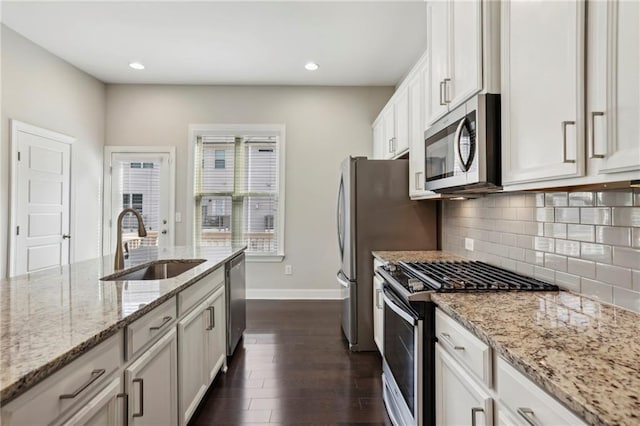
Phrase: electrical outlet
(468, 244)
(178, 217)
(288, 270)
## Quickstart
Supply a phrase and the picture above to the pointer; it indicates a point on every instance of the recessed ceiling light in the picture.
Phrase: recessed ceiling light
(136, 65)
(311, 66)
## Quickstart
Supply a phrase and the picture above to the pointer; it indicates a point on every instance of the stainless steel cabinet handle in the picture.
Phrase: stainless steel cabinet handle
(447, 339)
(445, 81)
(474, 411)
(418, 183)
(141, 413)
(394, 143)
(390, 143)
(212, 317)
(164, 322)
(125, 412)
(378, 294)
(564, 141)
(594, 114)
(95, 375)
(442, 102)
(528, 416)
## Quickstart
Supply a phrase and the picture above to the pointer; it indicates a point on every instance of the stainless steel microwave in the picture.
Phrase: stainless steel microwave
(462, 150)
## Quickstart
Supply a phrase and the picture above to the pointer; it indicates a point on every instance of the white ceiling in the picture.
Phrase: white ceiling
(235, 42)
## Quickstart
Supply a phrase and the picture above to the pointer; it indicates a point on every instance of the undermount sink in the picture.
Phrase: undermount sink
(158, 270)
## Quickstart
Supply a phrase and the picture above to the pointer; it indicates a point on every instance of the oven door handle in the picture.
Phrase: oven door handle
(398, 310)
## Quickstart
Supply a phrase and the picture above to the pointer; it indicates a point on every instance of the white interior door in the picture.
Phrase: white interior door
(140, 181)
(40, 199)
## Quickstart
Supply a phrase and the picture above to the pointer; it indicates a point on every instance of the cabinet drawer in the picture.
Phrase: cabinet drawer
(189, 297)
(527, 402)
(463, 345)
(66, 388)
(147, 328)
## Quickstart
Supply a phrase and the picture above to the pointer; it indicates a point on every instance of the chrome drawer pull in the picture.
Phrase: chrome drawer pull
(378, 304)
(164, 322)
(442, 83)
(528, 416)
(447, 339)
(141, 413)
(95, 375)
(212, 317)
(474, 411)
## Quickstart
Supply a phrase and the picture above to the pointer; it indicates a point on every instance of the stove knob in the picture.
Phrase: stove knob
(416, 285)
(392, 267)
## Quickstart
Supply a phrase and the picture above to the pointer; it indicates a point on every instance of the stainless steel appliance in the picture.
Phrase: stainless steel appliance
(375, 213)
(462, 150)
(408, 367)
(236, 301)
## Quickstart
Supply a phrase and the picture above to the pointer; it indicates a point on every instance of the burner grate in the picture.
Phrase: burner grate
(458, 276)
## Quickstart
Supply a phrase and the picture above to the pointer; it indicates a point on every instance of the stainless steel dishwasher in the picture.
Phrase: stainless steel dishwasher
(236, 295)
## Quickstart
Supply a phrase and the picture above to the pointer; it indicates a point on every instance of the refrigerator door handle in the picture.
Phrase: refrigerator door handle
(341, 279)
(339, 218)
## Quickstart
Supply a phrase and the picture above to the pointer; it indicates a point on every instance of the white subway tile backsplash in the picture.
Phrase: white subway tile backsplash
(614, 275)
(568, 214)
(615, 198)
(626, 257)
(585, 241)
(556, 199)
(613, 235)
(555, 230)
(568, 248)
(597, 252)
(545, 214)
(581, 232)
(581, 199)
(597, 290)
(595, 215)
(555, 262)
(568, 281)
(544, 244)
(626, 298)
(584, 268)
(626, 216)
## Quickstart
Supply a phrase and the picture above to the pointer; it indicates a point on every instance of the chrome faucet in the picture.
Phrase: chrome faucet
(119, 259)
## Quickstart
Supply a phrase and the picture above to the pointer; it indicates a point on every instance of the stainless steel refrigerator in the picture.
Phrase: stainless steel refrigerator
(375, 213)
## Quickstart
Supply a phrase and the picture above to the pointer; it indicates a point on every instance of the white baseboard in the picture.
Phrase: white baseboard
(293, 294)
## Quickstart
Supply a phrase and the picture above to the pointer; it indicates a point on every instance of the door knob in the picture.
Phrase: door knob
(66, 237)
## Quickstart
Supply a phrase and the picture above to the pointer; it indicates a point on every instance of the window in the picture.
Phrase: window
(133, 201)
(237, 191)
(219, 158)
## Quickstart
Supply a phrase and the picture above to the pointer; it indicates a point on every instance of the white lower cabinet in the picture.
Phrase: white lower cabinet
(151, 383)
(104, 409)
(202, 351)
(460, 399)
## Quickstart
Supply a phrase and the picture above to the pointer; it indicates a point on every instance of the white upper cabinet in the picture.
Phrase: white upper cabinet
(613, 88)
(378, 140)
(416, 133)
(455, 55)
(389, 119)
(542, 98)
(401, 142)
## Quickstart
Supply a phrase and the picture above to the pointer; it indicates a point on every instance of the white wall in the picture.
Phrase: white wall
(323, 126)
(41, 89)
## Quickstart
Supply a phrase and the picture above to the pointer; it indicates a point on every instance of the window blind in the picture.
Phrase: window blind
(236, 192)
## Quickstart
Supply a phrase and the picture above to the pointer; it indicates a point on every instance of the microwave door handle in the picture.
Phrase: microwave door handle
(463, 166)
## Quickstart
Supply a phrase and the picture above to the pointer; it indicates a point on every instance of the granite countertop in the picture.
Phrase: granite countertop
(415, 256)
(583, 352)
(50, 318)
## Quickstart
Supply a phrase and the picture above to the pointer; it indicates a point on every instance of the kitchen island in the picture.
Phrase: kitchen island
(580, 351)
(50, 318)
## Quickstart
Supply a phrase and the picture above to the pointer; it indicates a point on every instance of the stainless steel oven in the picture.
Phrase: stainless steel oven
(406, 366)
(462, 150)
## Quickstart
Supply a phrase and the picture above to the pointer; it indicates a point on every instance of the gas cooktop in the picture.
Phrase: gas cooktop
(461, 276)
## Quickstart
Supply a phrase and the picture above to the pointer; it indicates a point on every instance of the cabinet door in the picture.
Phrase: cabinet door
(416, 133)
(401, 141)
(378, 313)
(378, 140)
(542, 90)
(192, 354)
(437, 48)
(389, 119)
(623, 87)
(465, 54)
(106, 408)
(216, 337)
(151, 384)
(460, 400)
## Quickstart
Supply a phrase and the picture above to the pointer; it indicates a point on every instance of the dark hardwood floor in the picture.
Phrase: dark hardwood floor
(294, 367)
